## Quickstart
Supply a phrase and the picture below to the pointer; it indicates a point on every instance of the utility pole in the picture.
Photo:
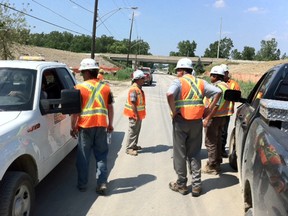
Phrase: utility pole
(94, 30)
(219, 38)
(129, 42)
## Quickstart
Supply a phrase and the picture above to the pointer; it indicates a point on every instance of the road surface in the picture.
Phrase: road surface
(139, 185)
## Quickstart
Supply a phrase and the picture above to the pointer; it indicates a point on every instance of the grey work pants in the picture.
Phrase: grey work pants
(133, 133)
(213, 140)
(187, 141)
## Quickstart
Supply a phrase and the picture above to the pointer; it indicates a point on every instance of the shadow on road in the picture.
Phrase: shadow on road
(57, 194)
(155, 149)
(124, 185)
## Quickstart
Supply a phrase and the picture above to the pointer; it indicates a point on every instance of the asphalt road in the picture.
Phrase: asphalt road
(139, 185)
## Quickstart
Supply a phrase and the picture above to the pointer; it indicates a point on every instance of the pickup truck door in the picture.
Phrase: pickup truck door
(58, 124)
(246, 113)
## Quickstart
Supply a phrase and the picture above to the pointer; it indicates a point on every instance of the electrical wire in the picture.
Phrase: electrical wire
(42, 20)
(61, 16)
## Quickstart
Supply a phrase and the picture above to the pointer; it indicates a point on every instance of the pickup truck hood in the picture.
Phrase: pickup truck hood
(8, 116)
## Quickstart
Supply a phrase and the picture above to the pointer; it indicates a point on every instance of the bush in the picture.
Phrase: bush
(124, 74)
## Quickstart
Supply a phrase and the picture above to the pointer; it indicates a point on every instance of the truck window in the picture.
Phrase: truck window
(54, 86)
(66, 78)
(281, 92)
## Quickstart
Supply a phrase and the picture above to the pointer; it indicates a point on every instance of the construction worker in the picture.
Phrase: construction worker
(100, 76)
(135, 110)
(185, 99)
(91, 126)
(232, 84)
(218, 121)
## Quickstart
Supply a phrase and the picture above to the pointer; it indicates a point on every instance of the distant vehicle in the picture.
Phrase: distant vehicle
(36, 98)
(258, 146)
(148, 75)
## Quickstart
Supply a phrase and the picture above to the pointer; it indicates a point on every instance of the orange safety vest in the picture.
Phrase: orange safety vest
(140, 103)
(94, 95)
(224, 107)
(191, 98)
(232, 84)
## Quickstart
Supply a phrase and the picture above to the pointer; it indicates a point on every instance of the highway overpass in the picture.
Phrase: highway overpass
(158, 59)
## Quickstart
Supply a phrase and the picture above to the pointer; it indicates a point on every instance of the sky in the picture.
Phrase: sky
(165, 23)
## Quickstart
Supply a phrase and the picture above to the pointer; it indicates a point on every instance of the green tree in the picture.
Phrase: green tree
(102, 43)
(199, 68)
(235, 54)
(248, 53)
(81, 43)
(185, 48)
(13, 29)
(226, 44)
(268, 51)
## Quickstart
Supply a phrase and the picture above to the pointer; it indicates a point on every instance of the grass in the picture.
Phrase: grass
(121, 75)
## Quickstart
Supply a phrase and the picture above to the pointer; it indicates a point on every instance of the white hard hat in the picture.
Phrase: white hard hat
(184, 63)
(225, 67)
(88, 64)
(138, 74)
(217, 70)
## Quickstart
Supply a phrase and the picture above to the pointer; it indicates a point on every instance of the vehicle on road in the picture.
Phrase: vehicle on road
(258, 146)
(148, 75)
(36, 98)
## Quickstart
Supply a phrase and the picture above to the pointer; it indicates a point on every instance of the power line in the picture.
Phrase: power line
(60, 15)
(81, 6)
(40, 19)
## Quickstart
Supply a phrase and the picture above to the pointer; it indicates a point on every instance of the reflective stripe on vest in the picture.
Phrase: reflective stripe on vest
(191, 98)
(140, 103)
(94, 104)
(223, 109)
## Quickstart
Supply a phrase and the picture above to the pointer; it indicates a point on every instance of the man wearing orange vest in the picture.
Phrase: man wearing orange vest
(135, 110)
(218, 121)
(185, 99)
(232, 84)
(91, 125)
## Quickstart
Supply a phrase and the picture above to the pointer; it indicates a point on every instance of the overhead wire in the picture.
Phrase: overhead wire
(42, 20)
(60, 15)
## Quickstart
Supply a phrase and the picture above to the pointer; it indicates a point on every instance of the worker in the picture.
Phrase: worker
(185, 99)
(91, 126)
(100, 76)
(218, 121)
(135, 110)
(233, 85)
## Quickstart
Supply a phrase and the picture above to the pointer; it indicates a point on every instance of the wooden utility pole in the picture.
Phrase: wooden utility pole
(94, 30)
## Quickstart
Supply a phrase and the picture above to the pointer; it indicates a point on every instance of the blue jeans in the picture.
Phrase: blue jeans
(92, 139)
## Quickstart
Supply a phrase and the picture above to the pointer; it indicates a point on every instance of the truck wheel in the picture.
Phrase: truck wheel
(232, 151)
(16, 194)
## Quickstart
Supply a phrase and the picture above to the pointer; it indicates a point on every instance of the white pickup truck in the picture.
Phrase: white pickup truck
(36, 98)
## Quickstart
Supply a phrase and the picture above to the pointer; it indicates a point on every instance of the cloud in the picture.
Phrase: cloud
(219, 4)
(255, 10)
(271, 35)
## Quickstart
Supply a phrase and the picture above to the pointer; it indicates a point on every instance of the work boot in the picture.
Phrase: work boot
(131, 152)
(196, 191)
(178, 188)
(101, 189)
(137, 148)
(210, 169)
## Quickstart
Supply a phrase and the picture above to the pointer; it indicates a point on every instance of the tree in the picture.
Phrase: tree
(199, 68)
(268, 51)
(248, 53)
(185, 48)
(226, 44)
(13, 29)
(235, 54)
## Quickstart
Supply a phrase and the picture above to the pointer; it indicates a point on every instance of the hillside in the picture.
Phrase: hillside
(240, 70)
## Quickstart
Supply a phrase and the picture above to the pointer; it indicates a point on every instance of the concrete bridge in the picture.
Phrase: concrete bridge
(159, 59)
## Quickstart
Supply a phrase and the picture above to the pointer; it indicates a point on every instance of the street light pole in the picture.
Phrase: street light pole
(219, 39)
(129, 42)
(94, 30)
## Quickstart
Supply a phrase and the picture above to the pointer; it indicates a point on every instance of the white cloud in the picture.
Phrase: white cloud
(270, 36)
(219, 4)
(255, 10)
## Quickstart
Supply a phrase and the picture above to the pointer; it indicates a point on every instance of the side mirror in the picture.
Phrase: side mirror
(69, 103)
(234, 95)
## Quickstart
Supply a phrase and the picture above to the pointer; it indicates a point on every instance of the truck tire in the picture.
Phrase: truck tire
(232, 156)
(16, 194)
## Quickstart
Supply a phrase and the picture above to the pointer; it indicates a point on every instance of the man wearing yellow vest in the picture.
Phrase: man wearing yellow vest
(135, 110)
(218, 121)
(91, 125)
(185, 99)
(232, 84)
